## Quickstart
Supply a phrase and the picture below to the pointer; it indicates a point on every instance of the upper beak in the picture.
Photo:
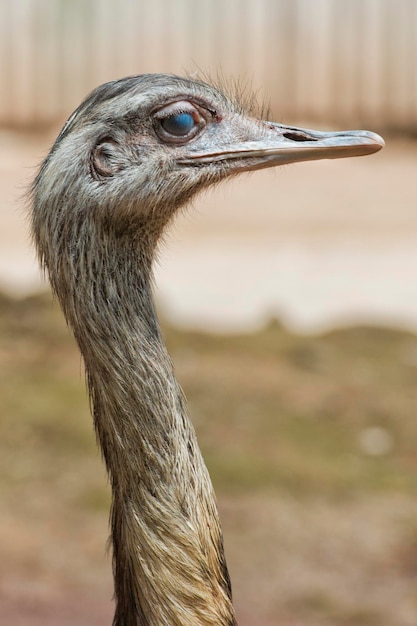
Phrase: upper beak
(277, 144)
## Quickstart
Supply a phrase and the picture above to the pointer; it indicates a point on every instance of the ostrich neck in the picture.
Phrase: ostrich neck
(168, 558)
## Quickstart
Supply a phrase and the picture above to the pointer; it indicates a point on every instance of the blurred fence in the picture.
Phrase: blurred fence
(339, 61)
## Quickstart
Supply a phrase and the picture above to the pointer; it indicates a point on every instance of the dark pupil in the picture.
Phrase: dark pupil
(179, 124)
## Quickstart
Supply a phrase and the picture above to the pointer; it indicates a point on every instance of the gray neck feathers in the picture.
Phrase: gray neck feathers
(168, 557)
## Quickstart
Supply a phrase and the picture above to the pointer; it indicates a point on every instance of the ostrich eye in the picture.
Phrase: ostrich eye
(179, 122)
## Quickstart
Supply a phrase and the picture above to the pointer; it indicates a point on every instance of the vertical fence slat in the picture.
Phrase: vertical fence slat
(22, 59)
(349, 61)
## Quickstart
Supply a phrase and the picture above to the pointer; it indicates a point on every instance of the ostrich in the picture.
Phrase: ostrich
(133, 153)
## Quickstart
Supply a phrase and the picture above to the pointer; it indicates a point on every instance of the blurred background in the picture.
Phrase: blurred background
(289, 303)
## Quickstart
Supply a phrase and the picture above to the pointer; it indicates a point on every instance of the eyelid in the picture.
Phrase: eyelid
(176, 108)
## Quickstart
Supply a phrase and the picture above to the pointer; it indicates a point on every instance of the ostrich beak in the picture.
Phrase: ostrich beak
(273, 144)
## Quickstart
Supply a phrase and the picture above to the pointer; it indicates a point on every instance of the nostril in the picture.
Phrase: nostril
(297, 136)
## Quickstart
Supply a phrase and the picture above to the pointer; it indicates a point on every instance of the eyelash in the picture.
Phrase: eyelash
(176, 112)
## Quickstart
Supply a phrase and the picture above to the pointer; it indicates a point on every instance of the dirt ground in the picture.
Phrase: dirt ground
(333, 564)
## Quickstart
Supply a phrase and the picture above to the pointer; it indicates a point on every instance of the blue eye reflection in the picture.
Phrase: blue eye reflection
(179, 124)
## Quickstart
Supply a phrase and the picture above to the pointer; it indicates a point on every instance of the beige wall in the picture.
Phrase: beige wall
(333, 61)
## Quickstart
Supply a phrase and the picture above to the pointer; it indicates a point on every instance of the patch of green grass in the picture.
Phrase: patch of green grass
(272, 410)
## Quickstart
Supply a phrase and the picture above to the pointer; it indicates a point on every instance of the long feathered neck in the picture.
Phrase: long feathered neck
(168, 558)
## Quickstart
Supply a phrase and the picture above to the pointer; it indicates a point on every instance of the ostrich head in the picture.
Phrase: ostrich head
(133, 152)
(138, 148)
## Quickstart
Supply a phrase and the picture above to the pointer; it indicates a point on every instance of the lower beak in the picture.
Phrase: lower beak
(278, 145)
